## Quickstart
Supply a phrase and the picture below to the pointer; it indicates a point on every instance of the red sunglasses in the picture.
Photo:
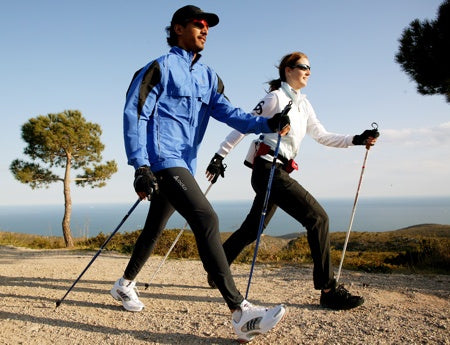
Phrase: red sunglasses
(200, 23)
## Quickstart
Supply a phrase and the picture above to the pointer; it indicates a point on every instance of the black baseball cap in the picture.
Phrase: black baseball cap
(186, 13)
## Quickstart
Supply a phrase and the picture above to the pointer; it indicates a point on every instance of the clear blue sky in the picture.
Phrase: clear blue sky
(59, 55)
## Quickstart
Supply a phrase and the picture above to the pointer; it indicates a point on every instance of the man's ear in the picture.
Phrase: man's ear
(178, 29)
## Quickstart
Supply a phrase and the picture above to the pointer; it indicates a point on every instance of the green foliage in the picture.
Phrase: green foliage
(297, 251)
(428, 253)
(53, 137)
(121, 242)
(32, 174)
(97, 176)
(186, 246)
(424, 53)
(424, 248)
(124, 243)
(264, 255)
(62, 140)
(367, 261)
(30, 241)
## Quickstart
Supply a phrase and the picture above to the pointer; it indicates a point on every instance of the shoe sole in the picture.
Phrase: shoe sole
(117, 298)
(245, 341)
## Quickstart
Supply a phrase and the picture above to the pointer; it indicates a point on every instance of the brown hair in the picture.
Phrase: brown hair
(172, 37)
(288, 60)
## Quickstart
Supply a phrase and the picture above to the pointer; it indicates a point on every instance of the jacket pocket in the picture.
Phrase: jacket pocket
(187, 99)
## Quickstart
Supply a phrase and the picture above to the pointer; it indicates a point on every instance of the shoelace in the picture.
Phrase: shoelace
(250, 306)
(134, 287)
(341, 291)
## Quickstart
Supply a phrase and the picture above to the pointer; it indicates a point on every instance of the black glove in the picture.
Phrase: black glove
(362, 138)
(280, 120)
(216, 167)
(145, 181)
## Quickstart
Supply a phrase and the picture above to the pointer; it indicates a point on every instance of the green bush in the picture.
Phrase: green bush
(296, 251)
(185, 248)
(429, 253)
(31, 241)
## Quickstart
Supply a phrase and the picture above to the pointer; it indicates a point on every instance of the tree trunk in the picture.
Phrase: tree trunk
(67, 206)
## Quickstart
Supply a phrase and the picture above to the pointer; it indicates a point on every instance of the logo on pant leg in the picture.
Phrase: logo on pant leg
(178, 179)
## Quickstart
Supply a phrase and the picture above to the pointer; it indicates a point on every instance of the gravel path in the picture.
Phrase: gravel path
(181, 309)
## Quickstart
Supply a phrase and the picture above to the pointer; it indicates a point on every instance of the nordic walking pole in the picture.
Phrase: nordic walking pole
(266, 200)
(173, 245)
(58, 302)
(374, 126)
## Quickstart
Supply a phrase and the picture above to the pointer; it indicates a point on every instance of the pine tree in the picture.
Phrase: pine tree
(424, 53)
(65, 140)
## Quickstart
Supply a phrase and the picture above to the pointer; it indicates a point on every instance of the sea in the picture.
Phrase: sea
(88, 220)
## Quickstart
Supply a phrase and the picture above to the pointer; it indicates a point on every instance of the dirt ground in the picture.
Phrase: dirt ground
(182, 309)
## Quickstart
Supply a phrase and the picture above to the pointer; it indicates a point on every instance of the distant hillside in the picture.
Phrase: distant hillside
(361, 239)
(434, 230)
(292, 235)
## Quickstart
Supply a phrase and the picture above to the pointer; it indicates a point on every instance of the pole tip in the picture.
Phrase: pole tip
(146, 286)
(58, 303)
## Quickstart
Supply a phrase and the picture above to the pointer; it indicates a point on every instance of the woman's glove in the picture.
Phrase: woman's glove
(362, 138)
(216, 168)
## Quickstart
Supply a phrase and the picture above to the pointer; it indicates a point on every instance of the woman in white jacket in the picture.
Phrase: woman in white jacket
(287, 193)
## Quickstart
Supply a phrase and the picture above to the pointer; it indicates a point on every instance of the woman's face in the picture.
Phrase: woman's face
(297, 76)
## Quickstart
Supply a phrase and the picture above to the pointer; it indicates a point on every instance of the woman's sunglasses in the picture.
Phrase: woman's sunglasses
(302, 67)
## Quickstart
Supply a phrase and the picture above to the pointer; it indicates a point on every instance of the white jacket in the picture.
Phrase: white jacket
(303, 121)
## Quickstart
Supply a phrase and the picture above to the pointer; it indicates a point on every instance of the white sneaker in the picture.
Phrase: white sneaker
(125, 290)
(250, 320)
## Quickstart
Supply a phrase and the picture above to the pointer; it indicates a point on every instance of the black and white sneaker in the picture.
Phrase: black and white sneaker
(249, 320)
(339, 298)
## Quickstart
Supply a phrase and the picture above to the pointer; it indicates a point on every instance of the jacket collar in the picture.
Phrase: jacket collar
(295, 95)
(187, 56)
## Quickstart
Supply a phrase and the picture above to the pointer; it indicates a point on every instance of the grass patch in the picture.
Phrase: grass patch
(31, 241)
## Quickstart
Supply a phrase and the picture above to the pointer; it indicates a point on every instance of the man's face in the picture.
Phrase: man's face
(192, 37)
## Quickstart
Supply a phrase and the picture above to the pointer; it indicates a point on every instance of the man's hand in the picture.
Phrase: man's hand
(215, 168)
(145, 183)
(368, 137)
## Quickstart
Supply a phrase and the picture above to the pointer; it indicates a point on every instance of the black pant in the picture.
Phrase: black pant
(179, 191)
(291, 197)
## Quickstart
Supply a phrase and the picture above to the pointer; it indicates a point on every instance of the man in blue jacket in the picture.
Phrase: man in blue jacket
(168, 106)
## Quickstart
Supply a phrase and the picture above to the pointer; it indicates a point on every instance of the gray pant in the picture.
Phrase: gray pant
(291, 197)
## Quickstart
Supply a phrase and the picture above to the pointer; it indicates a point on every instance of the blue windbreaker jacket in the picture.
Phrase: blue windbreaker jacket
(168, 106)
